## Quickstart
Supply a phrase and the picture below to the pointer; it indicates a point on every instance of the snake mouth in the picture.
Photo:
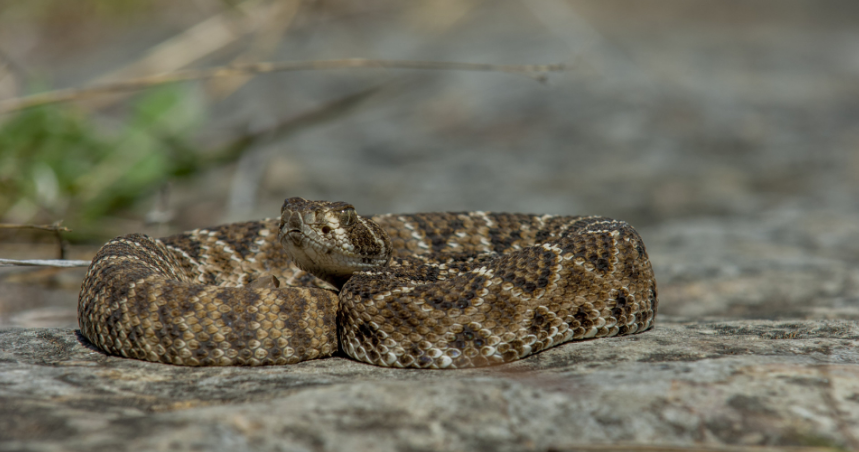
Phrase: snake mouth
(333, 264)
(347, 258)
(302, 240)
(311, 248)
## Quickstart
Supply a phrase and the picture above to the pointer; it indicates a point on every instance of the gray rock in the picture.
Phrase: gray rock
(730, 382)
(756, 344)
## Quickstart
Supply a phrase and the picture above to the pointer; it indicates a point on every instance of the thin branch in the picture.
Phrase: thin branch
(43, 263)
(256, 149)
(42, 227)
(214, 33)
(57, 229)
(66, 95)
(275, 20)
(316, 115)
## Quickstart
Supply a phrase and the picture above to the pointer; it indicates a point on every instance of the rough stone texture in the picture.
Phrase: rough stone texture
(756, 345)
(783, 264)
(732, 382)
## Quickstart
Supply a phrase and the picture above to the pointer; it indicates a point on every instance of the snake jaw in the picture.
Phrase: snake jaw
(330, 241)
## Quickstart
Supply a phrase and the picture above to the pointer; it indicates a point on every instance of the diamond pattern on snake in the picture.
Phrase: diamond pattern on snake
(423, 290)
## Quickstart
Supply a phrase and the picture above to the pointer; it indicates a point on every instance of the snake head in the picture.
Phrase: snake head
(330, 241)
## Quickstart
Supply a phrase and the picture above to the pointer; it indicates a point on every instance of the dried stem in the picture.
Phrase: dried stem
(43, 263)
(56, 228)
(256, 148)
(44, 227)
(65, 95)
(223, 29)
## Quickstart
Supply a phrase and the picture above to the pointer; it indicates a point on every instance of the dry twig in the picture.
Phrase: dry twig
(211, 35)
(276, 17)
(256, 149)
(64, 263)
(56, 228)
(66, 95)
(43, 227)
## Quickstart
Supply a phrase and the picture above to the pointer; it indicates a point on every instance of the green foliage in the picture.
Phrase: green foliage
(56, 163)
(48, 10)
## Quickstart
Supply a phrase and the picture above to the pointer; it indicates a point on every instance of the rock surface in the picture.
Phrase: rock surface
(754, 382)
(756, 344)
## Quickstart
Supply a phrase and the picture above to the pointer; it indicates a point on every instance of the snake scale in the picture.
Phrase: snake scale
(425, 290)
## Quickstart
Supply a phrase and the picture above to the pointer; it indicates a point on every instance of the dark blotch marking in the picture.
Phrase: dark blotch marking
(582, 318)
(242, 238)
(468, 335)
(367, 334)
(540, 322)
(427, 273)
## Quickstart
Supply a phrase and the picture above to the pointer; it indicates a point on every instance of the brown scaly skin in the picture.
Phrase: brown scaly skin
(461, 290)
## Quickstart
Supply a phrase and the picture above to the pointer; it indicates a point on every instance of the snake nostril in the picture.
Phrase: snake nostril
(326, 229)
(294, 221)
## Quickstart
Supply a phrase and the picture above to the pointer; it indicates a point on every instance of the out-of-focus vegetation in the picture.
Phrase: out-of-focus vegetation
(57, 163)
(50, 9)
(717, 113)
(101, 164)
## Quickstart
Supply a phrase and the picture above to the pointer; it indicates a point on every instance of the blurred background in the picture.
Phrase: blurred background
(669, 110)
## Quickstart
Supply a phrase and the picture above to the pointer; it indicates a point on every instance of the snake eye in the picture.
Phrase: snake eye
(347, 217)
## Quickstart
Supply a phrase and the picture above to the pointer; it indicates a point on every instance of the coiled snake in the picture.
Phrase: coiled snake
(427, 290)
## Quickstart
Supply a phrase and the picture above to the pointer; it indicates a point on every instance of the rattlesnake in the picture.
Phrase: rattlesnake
(428, 290)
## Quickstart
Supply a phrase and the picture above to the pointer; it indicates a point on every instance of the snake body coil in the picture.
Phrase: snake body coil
(428, 290)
